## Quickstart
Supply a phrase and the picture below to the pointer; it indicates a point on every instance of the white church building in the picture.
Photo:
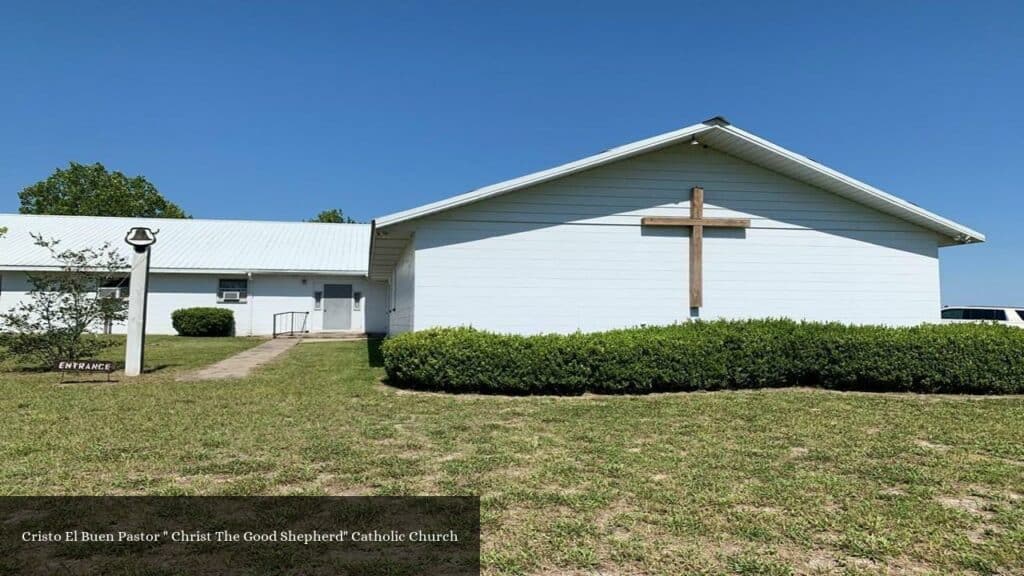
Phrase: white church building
(308, 275)
(614, 240)
(708, 222)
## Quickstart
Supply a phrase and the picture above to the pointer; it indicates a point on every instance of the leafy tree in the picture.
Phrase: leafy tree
(91, 190)
(54, 323)
(333, 216)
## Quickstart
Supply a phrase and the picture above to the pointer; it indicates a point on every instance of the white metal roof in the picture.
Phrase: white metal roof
(197, 246)
(719, 135)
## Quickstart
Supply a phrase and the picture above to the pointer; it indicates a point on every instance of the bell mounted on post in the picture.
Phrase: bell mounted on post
(141, 238)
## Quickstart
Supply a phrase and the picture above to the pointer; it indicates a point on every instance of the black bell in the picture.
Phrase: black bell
(140, 237)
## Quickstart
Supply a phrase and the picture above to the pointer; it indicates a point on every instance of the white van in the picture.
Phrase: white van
(998, 314)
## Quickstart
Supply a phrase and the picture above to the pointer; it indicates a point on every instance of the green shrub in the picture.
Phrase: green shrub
(203, 321)
(961, 358)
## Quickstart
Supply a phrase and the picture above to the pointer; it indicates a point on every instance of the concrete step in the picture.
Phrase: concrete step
(328, 335)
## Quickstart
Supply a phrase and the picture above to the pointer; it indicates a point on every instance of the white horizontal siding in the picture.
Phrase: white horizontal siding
(275, 294)
(548, 279)
(268, 295)
(571, 254)
(400, 317)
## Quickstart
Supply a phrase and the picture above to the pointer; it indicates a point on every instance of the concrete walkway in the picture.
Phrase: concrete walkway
(239, 365)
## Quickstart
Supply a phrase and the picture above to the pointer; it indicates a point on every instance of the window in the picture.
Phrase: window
(232, 290)
(984, 314)
(1021, 314)
(953, 314)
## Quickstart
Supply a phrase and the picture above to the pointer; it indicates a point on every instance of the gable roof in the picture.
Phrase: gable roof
(720, 135)
(197, 246)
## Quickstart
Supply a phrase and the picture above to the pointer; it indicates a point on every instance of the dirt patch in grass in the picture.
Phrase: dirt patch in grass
(797, 452)
(749, 509)
(331, 490)
(969, 504)
(892, 491)
(931, 445)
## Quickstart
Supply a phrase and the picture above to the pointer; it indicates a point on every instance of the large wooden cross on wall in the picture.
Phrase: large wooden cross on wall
(696, 222)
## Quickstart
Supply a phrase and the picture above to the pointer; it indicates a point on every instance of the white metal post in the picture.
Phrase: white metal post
(138, 291)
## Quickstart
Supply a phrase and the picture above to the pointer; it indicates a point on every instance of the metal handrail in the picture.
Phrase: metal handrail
(291, 324)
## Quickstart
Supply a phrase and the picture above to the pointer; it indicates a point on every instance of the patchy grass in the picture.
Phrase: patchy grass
(753, 482)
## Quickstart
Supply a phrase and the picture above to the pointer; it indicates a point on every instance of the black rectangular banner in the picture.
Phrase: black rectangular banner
(229, 536)
(84, 366)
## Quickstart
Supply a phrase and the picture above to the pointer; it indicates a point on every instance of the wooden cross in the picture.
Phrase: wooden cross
(696, 222)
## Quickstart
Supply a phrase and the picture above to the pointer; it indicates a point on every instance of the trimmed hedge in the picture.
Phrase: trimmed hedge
(957, 359)
(203, 322)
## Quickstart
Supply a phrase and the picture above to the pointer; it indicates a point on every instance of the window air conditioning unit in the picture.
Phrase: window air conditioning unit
(231, 296)
(108, 292)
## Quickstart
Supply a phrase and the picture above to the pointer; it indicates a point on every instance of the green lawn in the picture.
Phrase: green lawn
(755, 482)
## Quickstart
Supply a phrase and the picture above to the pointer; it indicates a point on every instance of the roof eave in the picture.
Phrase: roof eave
(612, 155)
(233, 271)
(959, 233)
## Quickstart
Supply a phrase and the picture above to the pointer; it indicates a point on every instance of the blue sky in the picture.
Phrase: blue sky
(277, 110)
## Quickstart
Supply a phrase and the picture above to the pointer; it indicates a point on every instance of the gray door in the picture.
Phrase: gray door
(337, 306)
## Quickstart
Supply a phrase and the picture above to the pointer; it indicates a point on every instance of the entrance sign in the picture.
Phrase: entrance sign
(696, 222)
(141, 239)
(85, 366)
(92, 366)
